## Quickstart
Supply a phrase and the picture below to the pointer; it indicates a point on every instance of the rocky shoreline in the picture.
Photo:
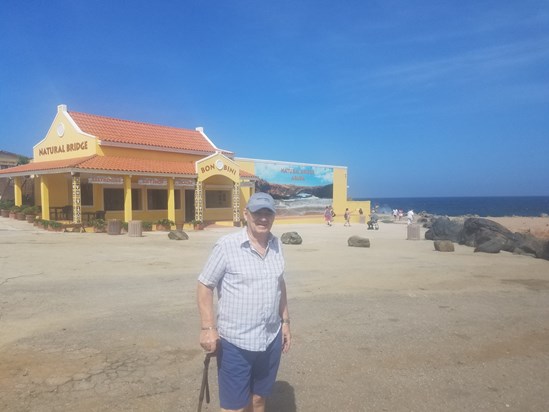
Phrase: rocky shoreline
(490, 236)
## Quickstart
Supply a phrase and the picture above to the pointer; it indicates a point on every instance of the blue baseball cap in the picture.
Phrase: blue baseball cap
(259, 201)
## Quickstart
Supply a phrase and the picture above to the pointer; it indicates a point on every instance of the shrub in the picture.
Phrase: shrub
(99, 224)
(31, 210)
(165, 222)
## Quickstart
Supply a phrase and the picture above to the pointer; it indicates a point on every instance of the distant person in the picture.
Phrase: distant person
(347, 216)
(395, 214)
(410, 216)
(328, 216)
(400, 214)
(360, 211)
(372, 223)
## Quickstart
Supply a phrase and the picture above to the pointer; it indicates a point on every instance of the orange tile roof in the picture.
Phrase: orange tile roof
(125, 164)
(244, 173)
(105, 164)
(108, 129)
(45, 166)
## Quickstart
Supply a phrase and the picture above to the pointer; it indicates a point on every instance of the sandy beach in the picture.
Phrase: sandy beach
(92, 322)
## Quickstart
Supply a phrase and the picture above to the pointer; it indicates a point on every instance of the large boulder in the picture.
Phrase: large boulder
(178, 235)
(291, 238)
(527, 244)
(358, 241)
(442, 228)
(444, 246)
(477, 231)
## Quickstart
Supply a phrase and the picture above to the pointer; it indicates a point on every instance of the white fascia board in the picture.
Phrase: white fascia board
(73, 124)
(132, 173)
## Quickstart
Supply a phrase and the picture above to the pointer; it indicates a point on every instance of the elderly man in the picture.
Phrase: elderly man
(252, 326)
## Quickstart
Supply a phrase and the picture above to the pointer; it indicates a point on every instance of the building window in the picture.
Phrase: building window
(157, 199)
(177, 194)
(137, 201)
(114, 199)
(86, 194)
(218, 199)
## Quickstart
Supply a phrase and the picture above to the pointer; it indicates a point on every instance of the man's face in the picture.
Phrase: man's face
(260, 222)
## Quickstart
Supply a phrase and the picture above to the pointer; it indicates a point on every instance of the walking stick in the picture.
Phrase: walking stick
(205, 387)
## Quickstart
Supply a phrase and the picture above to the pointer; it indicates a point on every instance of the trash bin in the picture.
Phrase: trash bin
(134, 228)
(413, 232)
(114, 226)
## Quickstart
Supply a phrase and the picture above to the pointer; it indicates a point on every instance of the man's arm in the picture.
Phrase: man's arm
(208, 332)
(285, 315)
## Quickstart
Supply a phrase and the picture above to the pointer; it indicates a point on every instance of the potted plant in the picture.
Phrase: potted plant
(164, 224)
(146, 226)
(99, 225)
(30, 213)
(197, 224)
(5, 206)
(14, 210)
(38, 221)
(20, 215)
(55, 226)
(124, 227)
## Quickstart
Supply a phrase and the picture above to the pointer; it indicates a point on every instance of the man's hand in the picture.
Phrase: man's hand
(286, 337)
(209, 339)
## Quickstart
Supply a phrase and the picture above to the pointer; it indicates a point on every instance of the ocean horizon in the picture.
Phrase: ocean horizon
(495, 206)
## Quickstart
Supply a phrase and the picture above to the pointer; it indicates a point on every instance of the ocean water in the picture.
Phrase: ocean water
(457, 206)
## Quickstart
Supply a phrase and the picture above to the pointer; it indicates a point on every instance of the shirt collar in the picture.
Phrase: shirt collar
(245, 239)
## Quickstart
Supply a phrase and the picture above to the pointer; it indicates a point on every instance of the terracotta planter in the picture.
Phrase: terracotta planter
(13, 215)
(99, 230)
(20, 216)
(163, 228)
(5, 213)
(30, 218)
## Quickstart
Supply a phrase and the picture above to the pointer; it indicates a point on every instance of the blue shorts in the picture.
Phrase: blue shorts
(242, 373)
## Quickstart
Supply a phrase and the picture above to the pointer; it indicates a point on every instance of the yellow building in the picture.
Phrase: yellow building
(90, 166)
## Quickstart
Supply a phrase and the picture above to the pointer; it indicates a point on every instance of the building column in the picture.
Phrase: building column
(236, 203)
(128, 213)
(171, 199)
(199, 201)
(76, 199)
(45, 197)
(17, 191)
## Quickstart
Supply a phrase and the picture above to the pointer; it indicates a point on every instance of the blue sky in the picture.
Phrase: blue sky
(422, 98)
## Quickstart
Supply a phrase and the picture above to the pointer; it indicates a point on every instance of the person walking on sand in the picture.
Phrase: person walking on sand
(328, 215)
(410, 216)
(347, 216)
(252, 326)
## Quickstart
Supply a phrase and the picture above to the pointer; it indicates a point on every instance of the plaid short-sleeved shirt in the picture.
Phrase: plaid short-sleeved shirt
(248, 290)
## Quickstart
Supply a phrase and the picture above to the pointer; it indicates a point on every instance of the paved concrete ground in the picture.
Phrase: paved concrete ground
(92, 322)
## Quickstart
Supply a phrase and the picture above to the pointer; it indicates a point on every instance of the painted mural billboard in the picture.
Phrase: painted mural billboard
(298, 189)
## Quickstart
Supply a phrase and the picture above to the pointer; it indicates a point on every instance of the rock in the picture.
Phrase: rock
(477, 231)
(291, 238)
(527, 244)
(178, 235)
(442, 228)
(358, 241)
(493, 245)
(444, 245)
